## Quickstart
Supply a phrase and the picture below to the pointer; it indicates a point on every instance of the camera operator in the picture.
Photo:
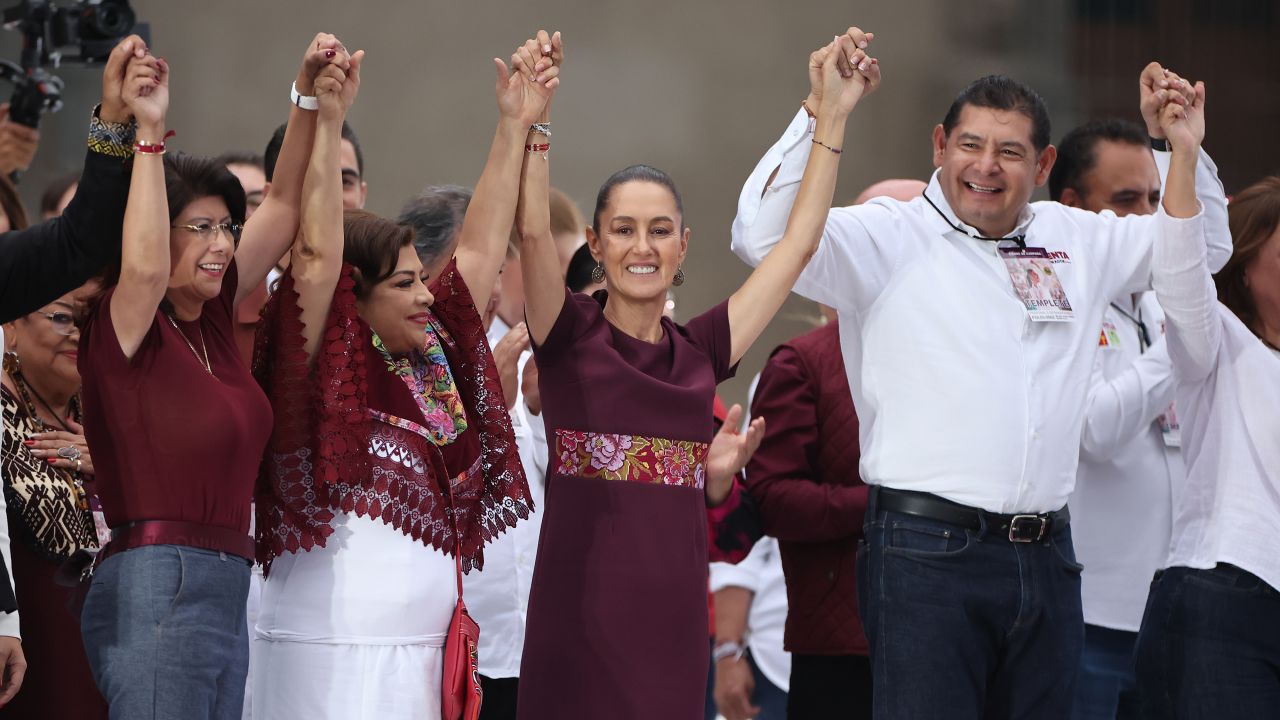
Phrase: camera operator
(45, 261)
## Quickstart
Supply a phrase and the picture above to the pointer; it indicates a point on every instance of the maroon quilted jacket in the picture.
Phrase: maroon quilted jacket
(805, 480)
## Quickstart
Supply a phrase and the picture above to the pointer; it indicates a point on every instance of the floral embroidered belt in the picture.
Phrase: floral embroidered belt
(634, 458)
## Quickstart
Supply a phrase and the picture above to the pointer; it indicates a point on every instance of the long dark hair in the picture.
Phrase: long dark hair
(1254, 215)
(188, 178)
(372, 245)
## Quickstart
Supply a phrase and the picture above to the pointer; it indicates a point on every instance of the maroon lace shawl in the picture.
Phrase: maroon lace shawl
(334, 446)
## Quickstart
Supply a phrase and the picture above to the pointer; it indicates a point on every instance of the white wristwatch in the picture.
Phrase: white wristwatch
(728, 648)
(306, 102)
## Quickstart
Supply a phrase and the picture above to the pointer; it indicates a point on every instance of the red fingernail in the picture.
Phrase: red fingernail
(329, 54)
(29, 443)
(50, 460)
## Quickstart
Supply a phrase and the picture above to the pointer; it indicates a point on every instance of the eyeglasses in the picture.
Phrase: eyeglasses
(207, 231)
(64, 323)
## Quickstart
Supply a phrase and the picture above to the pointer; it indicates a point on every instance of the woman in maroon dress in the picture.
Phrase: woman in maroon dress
(618, 611)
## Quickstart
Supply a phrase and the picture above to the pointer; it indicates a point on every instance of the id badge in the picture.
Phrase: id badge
(1170, 431)
(1036, 284)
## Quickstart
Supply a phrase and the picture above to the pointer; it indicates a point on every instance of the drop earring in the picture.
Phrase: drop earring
(597, 273)
(678, 280)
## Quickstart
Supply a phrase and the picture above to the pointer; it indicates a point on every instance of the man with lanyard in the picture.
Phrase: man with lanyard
(1130, 463)
(970, 393)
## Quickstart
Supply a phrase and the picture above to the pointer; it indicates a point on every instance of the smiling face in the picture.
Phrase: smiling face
(199, 263)
(989, 167)
(641, 242)
(396, 308)
(47, 346)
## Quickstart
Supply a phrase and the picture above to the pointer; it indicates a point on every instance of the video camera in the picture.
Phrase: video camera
(94, 26)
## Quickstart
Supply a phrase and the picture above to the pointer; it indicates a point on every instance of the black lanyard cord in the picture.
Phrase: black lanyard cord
(1021, 240)
(1143, 334)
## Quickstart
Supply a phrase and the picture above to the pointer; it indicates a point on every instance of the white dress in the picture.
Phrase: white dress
(354, 630)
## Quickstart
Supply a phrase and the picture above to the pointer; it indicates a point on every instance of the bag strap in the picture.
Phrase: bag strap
(457, 539)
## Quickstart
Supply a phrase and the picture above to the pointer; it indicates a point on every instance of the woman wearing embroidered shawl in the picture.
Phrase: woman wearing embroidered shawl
(390, 429)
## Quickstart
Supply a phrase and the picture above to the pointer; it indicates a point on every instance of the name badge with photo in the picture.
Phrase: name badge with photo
(1037, 285)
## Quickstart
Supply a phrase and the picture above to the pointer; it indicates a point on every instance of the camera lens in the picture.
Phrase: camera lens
(110, 19)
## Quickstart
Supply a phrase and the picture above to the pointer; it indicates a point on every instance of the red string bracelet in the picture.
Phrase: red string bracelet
(149, 148)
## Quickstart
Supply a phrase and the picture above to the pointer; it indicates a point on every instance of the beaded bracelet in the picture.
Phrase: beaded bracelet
(538, 148)
(834, 150)
(113, 139)
(541, 128)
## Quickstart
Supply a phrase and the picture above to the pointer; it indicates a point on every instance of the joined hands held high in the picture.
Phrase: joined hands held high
(525, 89)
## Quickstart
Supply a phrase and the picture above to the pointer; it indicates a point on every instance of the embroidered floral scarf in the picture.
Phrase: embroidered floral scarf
(360, 432)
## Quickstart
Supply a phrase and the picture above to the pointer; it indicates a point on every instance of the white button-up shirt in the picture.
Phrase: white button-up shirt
(1122, 505)
(9, 624)
(761, 573)
(957, 392)
(498, 596)
(1229, 405)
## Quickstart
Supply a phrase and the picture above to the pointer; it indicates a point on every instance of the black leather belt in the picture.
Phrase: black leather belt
(1020, 528)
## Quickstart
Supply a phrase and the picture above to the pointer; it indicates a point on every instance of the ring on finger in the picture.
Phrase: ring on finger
(79, 465)
(69, 452)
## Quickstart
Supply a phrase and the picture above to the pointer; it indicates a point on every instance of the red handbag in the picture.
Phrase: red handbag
(461, 694)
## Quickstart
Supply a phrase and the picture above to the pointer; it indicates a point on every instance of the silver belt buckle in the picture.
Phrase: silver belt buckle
(1017, 523)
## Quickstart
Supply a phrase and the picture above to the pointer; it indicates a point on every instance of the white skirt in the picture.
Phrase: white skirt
(354, 630)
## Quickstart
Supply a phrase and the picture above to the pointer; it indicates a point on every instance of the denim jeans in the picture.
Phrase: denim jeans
(1106, 688)
(966, 624)
(1210, 645)
(164, 630)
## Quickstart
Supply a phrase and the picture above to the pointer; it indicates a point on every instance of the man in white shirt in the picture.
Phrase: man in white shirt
(970, 398)
(1130, 463)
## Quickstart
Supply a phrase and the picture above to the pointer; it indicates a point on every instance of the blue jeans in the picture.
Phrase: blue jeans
(164, 630)
(966, 624)
(1210, 645)
(1106, 687)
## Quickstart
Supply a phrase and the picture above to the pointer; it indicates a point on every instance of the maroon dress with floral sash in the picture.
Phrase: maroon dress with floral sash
(618, 609)
(353, 434)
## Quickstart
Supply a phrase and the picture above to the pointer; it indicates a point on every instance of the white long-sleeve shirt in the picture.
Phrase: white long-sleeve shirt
(498, 596)
(1228, 400)
(761, 573)
(1122, 505)
(958, 393)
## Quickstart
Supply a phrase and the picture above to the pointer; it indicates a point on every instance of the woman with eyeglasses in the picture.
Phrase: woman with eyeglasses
(176, 423)
(45, 463)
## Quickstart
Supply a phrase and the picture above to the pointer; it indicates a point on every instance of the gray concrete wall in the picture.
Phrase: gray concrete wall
(699, 89)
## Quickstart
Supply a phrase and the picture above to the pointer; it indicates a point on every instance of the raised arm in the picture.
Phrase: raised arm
(273, 227)
(1180, 267)
(48, 260)
(316, 259)
(755, 303)
(539, 261)
(144, 254)
(523, 99)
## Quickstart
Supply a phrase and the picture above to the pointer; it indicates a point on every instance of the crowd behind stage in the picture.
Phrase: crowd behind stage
(269, 455)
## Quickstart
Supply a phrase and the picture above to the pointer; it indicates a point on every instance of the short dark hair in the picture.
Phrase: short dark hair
(1000, 92)
(241, 157)
(372, 245)
(188, 178)
(436, 217)
(272, 154)
(1077, 156)
(578, 276)
(634, 173)
(54, 191)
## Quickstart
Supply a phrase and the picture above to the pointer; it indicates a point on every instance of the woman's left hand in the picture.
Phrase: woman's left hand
(729, 453)
(46, 446)
(525, 90)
